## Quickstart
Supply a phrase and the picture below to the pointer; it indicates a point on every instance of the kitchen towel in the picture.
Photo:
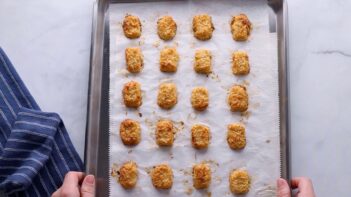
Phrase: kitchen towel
(35, 149)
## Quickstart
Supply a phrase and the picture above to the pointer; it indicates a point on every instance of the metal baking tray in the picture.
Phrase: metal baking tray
(96, 156)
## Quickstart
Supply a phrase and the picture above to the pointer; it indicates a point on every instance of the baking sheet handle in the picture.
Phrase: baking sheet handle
(281, 13)
(97, 133)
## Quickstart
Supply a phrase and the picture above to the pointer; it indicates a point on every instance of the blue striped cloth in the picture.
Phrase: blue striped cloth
(35, 149)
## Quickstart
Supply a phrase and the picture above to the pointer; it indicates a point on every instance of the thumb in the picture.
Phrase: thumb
(88, 186)
(283, 188)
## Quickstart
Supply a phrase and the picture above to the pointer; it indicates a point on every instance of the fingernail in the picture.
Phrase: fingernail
(90, 179)
(280, 182)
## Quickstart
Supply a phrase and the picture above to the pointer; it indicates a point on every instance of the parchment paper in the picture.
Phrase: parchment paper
(261, 155)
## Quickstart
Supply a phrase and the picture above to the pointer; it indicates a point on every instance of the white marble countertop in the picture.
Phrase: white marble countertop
(49, 43)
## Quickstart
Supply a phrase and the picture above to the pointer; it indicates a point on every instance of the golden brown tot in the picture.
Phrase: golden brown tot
(239, 181)
(128, 175)
(164, 133)
(162, 176)
(203, 61)
(134, 59)
(167, 95)
(241, 27)
(132, 94)
(131, 26)
(166, 28)
(199, 98)
(203, 26)
(201, 176)
(236, 136)
(238, 99)
(200, 136)
(169, 59)
(129, 131)
(241, 65)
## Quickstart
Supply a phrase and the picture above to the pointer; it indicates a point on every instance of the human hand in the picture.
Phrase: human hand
(76, 184)
(302, 184)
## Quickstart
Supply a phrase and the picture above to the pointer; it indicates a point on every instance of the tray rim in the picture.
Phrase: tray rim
(96, 140)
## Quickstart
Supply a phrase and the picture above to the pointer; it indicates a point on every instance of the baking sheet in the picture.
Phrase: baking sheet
(261, 155)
